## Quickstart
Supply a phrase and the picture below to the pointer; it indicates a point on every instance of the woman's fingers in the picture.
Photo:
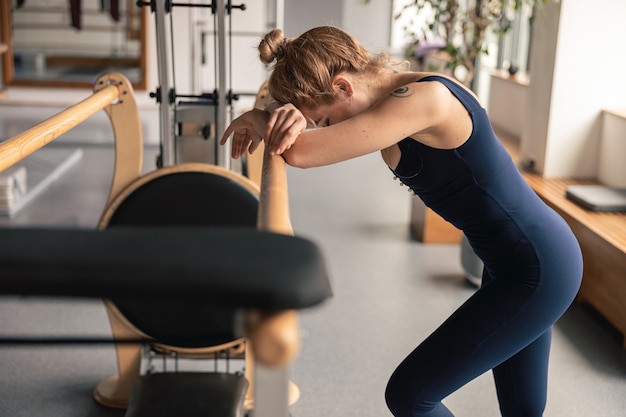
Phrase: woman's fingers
(281, 131)
(283, 128)
(254, 146)
(244, 136)
(227, 133)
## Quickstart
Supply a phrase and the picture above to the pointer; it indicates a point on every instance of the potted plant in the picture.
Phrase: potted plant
(460, 26)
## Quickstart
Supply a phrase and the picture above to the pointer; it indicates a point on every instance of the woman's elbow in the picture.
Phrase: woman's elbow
(295, 160)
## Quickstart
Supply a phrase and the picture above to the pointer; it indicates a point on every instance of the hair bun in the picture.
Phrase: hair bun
(272, 46)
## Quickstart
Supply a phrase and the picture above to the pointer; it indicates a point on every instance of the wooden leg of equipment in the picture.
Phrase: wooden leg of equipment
(115, 391)
(275, 341)
(251, 369)
(189, 394)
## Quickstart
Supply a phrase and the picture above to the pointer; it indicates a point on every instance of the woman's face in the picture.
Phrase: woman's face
(350, 100)
(324, 115)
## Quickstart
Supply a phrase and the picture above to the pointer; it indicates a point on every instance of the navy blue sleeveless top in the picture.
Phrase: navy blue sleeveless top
(478, 188)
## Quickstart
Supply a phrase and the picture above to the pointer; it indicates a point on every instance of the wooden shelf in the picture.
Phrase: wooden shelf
(608, 226)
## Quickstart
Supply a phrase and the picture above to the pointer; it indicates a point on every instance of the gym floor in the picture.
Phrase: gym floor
(390, 292)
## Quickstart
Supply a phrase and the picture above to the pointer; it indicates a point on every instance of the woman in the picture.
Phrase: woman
(436, 138)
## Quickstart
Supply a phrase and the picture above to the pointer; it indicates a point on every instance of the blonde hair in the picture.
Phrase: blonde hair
(306, 65)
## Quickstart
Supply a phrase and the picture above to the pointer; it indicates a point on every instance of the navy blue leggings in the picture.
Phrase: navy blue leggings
(505, 326)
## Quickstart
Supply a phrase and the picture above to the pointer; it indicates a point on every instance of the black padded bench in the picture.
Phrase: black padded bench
(204, 278)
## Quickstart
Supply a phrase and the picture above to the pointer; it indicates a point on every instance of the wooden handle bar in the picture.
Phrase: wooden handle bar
(275, 337)
(19, 147)
(273, 213)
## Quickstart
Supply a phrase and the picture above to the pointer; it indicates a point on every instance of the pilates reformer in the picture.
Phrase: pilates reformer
(191, 123)
(224, 276)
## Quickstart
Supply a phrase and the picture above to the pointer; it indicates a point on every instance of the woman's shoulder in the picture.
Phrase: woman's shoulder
(423, 75)
(427, 93)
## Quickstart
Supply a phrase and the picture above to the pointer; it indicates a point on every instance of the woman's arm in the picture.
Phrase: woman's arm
(417, 110)
(251, 127)
(427, 112)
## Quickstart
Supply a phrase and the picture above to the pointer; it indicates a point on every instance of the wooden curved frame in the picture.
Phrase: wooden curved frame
(112, 93)
(274, 338)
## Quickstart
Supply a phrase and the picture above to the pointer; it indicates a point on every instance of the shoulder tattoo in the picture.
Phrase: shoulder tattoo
(403, 91)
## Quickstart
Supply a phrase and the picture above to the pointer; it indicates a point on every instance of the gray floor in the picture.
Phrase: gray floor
(389, 293)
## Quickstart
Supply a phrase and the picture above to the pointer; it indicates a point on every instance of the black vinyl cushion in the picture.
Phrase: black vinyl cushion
(188, 198)
(173, 280)
(184, 198)
(188, 394)
(181, 256)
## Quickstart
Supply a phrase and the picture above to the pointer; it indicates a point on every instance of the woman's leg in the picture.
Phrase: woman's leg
(497, 322)
(522, 380)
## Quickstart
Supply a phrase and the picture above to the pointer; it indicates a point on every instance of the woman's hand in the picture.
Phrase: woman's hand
(284, 126)
(247, 131)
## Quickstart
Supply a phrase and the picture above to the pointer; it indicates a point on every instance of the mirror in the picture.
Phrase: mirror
(52, 44)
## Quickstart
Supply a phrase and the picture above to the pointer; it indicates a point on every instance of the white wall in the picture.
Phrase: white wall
(576, 71)
(507, 102)
(301, 15)
(370, 24)
(612, 170)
